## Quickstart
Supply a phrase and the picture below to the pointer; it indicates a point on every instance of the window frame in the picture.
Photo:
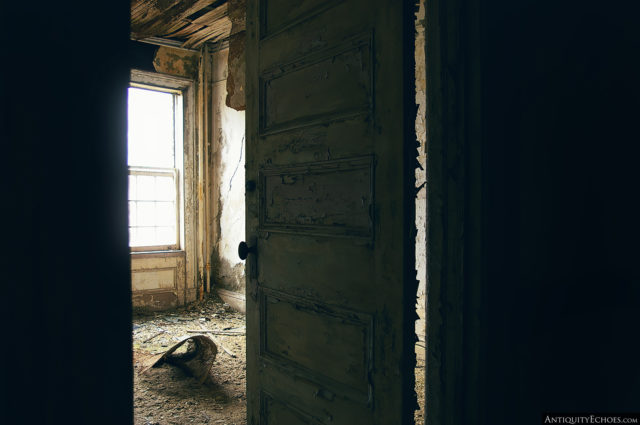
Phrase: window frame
(184, 160)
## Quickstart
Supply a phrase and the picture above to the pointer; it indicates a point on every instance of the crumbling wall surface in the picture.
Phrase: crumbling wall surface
(178, 62)
(227, 168)
(236, 78)
(236, 62)
(158, 280)
(421, 205)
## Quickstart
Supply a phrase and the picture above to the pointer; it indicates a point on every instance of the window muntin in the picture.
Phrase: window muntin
(154, 145)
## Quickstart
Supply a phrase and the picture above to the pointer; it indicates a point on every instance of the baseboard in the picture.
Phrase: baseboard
(235, 299)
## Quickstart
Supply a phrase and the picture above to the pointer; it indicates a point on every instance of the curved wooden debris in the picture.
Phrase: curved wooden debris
(197, 361)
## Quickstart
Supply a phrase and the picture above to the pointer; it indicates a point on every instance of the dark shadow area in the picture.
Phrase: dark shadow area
(561, 98)
(141, 55)
(65, 256)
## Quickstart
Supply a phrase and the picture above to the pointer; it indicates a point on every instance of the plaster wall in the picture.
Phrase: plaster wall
(227, 169)
(176, 62)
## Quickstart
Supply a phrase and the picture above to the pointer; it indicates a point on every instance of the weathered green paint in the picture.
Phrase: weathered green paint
(331, 143)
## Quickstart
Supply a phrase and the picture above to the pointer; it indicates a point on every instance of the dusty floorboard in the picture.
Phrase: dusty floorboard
(166, 395)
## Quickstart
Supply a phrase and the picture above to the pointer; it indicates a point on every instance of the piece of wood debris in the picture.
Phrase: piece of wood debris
(153, 336)
(225, 349)
(217, 341)
(216, 332)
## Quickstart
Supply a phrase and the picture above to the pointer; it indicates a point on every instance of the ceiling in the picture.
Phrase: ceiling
(184, 23)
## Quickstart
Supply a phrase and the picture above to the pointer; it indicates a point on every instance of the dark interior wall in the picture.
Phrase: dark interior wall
(65, 275)
(560, 98)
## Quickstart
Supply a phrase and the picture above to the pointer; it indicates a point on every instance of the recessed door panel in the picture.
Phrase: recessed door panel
(314, 198)
(331, 84)
(328, 344)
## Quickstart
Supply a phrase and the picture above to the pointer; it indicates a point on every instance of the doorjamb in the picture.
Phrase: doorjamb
(454, 221)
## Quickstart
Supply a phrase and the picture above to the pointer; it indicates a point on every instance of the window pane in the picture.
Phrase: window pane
(165, 235)
(154, 141)
(132, 187)
(133, 236)
(165, 188)
(146, 214)
(165, 214)
(150, 128)
(145, 236)
(132, 214)
(145, 189)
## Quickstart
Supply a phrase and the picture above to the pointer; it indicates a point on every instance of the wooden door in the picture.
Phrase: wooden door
(330, 275)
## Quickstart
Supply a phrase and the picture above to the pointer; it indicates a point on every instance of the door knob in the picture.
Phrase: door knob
(244, 250)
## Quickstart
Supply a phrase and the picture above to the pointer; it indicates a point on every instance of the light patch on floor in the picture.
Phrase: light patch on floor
(166, 395)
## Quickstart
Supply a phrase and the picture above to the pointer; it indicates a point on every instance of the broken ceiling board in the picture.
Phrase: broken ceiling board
(199, 5)
(186, 23)
(143, 11)
(186, 31)
(161, 19)
(203, 37)
(191, 22)
(211, 33)
(149, 16)
(210, 18)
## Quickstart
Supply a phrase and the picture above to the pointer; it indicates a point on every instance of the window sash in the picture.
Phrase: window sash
(158, 172)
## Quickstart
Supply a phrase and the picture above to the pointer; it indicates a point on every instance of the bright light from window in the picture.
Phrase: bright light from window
(151, 128)
(154, 122)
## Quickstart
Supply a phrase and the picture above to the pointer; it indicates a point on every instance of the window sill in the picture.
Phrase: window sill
(158, 254)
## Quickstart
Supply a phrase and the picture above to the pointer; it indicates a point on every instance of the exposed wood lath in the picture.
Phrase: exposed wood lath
(190, 22)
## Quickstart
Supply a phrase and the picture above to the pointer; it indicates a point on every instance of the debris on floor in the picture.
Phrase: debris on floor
(166, 394)
(196, 360)
(420, 377)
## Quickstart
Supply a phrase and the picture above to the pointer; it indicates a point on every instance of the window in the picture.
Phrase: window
(155, 129)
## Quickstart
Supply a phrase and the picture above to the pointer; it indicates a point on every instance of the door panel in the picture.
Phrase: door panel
(312, 34)
(279, 14)
(339, 354)
(319, 142)
(319, 269)
(331, 213)
(312, 198)
(334, 83)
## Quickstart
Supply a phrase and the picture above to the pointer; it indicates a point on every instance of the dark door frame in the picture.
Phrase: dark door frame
(454, 166)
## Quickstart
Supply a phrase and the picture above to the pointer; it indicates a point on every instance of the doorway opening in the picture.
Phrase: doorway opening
(201, 276)
(186, 205)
